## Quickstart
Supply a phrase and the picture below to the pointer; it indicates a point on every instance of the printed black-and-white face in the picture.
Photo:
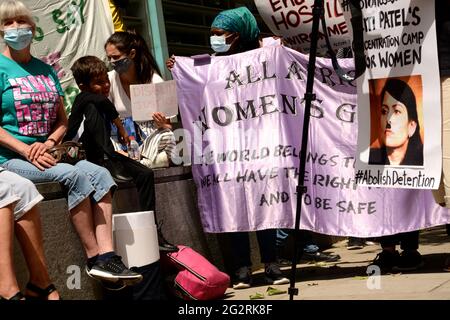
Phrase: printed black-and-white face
(396, 128)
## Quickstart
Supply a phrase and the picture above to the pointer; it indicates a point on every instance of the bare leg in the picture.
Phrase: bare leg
(103, 224)
(83, 222)
(8, 282)
(29, 233)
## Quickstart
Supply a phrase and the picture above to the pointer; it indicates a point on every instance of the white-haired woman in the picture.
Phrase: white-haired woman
(32, 120)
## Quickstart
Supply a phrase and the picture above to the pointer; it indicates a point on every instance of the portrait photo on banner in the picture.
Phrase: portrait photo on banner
(396, 121)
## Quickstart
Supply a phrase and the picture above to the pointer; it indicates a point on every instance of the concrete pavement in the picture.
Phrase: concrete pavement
(347, 279)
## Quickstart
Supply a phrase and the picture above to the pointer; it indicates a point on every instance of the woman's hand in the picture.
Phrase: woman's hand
(37, 154)
(160, 121)
(43, 161)
(38, 149)
(170, 63)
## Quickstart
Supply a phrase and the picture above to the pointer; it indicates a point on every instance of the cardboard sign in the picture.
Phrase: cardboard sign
(153, 97)
(399, 106)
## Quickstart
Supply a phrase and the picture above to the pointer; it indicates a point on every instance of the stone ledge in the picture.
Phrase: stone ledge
(51, 190)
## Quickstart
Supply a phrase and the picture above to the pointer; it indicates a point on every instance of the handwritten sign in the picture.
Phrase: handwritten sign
(401, 70)
(293, 21)
(153, 97)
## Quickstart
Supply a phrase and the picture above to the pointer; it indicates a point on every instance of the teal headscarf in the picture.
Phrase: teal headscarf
(238, 20)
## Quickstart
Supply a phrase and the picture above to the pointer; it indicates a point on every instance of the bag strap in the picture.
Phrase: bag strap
(358, 42)
(358, 37)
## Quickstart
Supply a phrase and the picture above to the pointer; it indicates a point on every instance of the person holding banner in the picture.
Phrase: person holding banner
(234, 31)
(400, 139)
(32, 121)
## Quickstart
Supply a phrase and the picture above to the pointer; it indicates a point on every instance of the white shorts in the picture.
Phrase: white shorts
(18, 190)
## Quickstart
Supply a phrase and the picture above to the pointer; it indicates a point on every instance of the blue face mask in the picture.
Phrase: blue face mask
(122, 65)
(219, 43)
(18, 38)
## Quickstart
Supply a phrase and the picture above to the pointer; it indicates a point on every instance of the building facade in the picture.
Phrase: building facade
(179, 27)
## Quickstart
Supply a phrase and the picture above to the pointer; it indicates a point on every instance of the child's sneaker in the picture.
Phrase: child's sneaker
(274, 275)
(113, 270)
(243, 278)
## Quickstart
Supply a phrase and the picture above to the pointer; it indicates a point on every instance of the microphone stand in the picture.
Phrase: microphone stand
(318, 12)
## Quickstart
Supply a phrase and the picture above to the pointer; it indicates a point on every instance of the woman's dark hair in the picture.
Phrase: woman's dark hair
(146, 65)
(402, 92)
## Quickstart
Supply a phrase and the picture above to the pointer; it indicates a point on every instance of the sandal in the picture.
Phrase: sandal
(17, 296)
(42, 294)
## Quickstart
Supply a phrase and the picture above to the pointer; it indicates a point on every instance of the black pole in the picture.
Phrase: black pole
(309, 97)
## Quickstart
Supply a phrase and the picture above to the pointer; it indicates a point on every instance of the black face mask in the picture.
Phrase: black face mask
(122, 65)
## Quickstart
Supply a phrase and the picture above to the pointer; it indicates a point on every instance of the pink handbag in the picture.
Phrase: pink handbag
(197, 279)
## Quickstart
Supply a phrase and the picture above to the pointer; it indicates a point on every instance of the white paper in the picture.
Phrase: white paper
(153, 97)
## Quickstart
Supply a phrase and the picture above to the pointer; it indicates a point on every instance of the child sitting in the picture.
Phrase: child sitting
(92, 114)
(91, 117)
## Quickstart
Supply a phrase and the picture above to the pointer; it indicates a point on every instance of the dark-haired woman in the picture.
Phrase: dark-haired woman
(399, 127)
(134, 64)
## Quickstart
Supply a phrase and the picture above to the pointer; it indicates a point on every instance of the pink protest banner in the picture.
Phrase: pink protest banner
(243, 114)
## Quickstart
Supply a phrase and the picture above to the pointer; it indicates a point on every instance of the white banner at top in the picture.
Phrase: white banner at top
(293, 21)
